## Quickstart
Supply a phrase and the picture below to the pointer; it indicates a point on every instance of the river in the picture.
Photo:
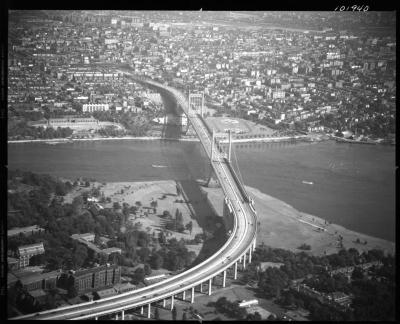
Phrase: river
(352, 185)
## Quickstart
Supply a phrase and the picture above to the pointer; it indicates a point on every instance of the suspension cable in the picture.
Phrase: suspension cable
(237, 166)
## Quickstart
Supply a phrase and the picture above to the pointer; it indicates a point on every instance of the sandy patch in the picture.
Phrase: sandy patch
(282, 226)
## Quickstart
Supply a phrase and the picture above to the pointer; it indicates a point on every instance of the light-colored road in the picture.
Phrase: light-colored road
(240, 240)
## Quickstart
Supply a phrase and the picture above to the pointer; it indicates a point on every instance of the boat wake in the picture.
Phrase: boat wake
(158, 166)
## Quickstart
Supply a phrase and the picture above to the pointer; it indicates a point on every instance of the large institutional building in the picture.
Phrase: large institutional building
(95, 107)
(75, 123)
(27, 251)
(100, 277)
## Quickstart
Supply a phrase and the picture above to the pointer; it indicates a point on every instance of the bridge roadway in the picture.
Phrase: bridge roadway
(240, 244)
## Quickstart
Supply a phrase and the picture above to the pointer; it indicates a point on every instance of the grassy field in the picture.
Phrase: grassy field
(239, 125)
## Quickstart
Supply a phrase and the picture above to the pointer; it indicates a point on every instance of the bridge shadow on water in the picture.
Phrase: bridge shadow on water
(185, 167)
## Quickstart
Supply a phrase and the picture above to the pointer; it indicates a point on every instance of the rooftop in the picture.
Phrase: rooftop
(27, 249)
(23, 230)
(37, 293)
(106, 292)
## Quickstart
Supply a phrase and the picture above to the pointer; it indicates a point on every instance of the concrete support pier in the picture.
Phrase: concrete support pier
(172, 302)
(209, 286)
(149, 311)
(235, 271)
(224, 279)
(212, 145)
(192, 296)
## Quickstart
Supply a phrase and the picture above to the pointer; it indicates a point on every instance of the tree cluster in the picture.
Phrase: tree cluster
(369, 293)
(22, 130)
(228, 308)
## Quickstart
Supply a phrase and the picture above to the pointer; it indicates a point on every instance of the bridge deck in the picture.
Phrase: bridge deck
(238, 243)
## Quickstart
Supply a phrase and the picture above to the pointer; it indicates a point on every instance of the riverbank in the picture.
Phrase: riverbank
(70, 140)
(269, 139)
(282, 226)
(159, 138)
(369, 142)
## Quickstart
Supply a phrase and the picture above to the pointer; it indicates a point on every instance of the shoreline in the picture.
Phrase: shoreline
(160, 138)
(312, 138)
(283, 226)
(369, 142)
(69, 140)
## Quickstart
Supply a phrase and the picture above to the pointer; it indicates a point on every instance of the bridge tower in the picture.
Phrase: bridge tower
(211, 182)
(230, 146)
(196, 104)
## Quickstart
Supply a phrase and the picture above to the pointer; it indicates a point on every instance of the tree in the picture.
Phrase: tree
(147, 269)
(138, 275)
(53, 263)
(116, 205)
(304, 246)
(161, 238)
(77, 204)
(272, 281)
(157, 314)
(289, 299)
(156, 261)
(60, 189)
(189, 227)
(254, 317)
(72, 293)
(178, 216)
(144, 254)
(50, 302)
(36, 260)
(184, 316)
(70, 282)
(174, 314)
(80, 255)
(357, 274)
